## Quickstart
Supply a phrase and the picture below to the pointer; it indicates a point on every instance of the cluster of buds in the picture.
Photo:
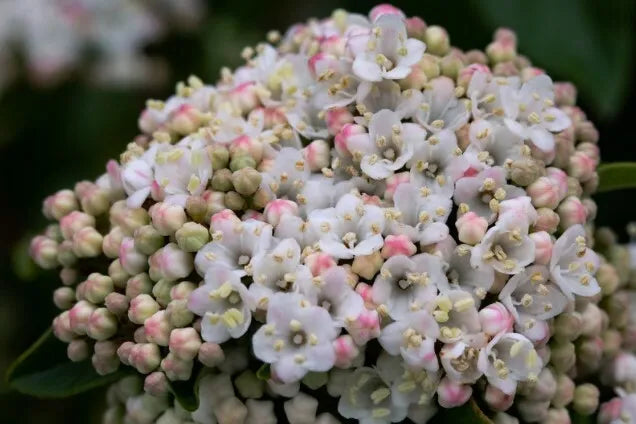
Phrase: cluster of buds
(360, 210)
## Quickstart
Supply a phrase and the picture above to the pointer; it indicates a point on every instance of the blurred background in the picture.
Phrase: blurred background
(74, 74)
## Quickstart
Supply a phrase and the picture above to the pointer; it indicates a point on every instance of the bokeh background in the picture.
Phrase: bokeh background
(74, 75)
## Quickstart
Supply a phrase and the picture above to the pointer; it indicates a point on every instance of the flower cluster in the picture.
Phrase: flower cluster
(361, 209)
(53, 36)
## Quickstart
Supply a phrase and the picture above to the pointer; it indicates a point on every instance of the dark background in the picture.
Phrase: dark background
(52, 137)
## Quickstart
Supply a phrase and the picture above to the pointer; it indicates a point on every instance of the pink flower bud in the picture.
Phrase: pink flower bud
(185, 343)
(564, 94)
(317, 154)
(139, 284)
(544, 193)
(319, 262)
(586, 132)
(342, 138)
(243, 97)
(128, 219)
(495, 319)
(170, 263)
(582, 166)
(64, 297)
(532, 410)
(368, 265)
(97, 287)
(68, 276)
(186, 119)
(210, 354)
(145, 357)
(365, 327)
(471, 228)
(59, 204)
(547, 220)
(112, 242)
(78, 350)
(466, 74)
(117, 303)
(397, 245)
(246, 145)
(62, 327)
(44, 252)
(274, 116)
(393, 182)
(118, 274)
(156, 384)
(542, 247)
(142, 307)
(105, 360)
(175, 368)
(178, 313)
(167, 218)
(157, 328)
(498, 400)
(384, 9)
(366, 292)
(502, 50)
(94, 199)
(102, 324)
(415, 27)
(571, 212)
(131, 259)
(74, 222)
(560, 179)
(123, 352)
(451, 394)
(87, 243)
(337, 118)
(346, 351)
(79, 316)
(277, 208)
(610, 411)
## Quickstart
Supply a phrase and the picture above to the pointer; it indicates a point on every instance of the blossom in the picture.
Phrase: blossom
(505, 247)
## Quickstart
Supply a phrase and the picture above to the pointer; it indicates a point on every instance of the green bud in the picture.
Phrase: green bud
(65, 255)
(197, 208)
(234, 201)
(219, 156)
(118, 274)
(525, 171)
(475, 56)
(161, 291)
(585, 399)
(138, 284)
(568, 326)
(222, 180)
(617, 307)
(315, 380)
(242, 161)
(260, 199)
(564, 391)
(430, 66)
(607, 278)
(562, 356)
(437, 40)
(589, 352)
(248, 385)
(192, 236)
(148, 240)
(178, 313)
(246, 181)
(450, 65)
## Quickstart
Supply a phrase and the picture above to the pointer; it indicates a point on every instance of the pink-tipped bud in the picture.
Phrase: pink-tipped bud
(317, 154)
(466, 74)
(170, 263)
(571, 212)
(560, 179)
(167, 218)
(156, 384)
(65, 255)
(78, 350)
(582, 166)
(186, 119)
(532, 411)
(393, 182)
(123, 352)
(112, 242)
(366, 292)
(385, 9)
(542, 247)
(102, 324)
(175, 368)
(544, 193)
(178, 313)
(131, 259)
(79, 316)
(142, 307)
(342, 138)
(346, 351)
(97, 287)
(75, 221)
(365, 327)
(185, 343)
(397, 245)
(610, 411)
(498, 400)
(44, 252)
(117, 304)
(586, 132)
(59, 204)
(62, 327)
(471, 228)
(145, 357)
(277, 208)
(547, 220)
(214, 202)
(243, 97)
(337, 118)
(416, 27)
(138, 284)
(210, 354)
(319, 262)
(503, 49)
(105, 360)
(451, 394)
(564, 94)
(64, 297)
(495, 319)
(246, 145)
(94, 199)
(368, 265)
(157, 328)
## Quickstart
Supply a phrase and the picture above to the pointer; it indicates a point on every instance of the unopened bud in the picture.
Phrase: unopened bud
(571, 212)
(301, 409)
(178, 313)
(617, 307)
(185, 120)
(475, 56)
(437, 40)
(78, 350)
(148, 240)
(592, 320)
(219, 156)
(533, 410)
(192, 237)
(564, 391)
(368, 265)
(498, 400)
(544, 193)
(210, 354)
(231, 410)
(346, 351)
(60, 204)
(44, 252)
(564, 94)
(319, 262)
(277, 208)
(234, 201)
(525, 171)
(416, 28)
(68, 276)
(317, 155)
(471, 228)
(248, 385)
(337, 118)
(102, 324)
(112, 242)
(145, 357)
(118, 274)
(138, 284)
(563, 356)
(241, 161)
(167, 218)
(94, 199)
(586, 398)
(222, 180)
(87, 243)
(610, 411)
(589, 352)
(142, 307)
(175, 368)
(123, 352)
(612, 342)
(542, 247)
(117, 304)
(451, 394)
(451, 65)
(62, 327)
(507, 69)
(568, 326)
(105, 360)
(170, 263)
(542, 389)
(185, 343)
(156, 384)
(586, 132)
(246, 181)
(75, 221)
(79, 316)
(64, 297)
(495, 319)
(247, 146)
(547, 220)
(97, 287)
(501, 51)
(197, 208)
(607, 278)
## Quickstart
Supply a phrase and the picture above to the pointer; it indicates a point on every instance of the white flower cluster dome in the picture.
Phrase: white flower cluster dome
(361, 210)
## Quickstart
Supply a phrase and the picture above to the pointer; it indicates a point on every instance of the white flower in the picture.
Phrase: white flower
(387, 146)
(483, 192)
(456, 312)
(287, 175)
(413, 337)
(486, 93)
(573, 264)
(296, 339)
(138, 177)
(389, 54)
(332, 291)
(459, 360)
(461, 274)
(508, 359)
(294, 227)
(182, 172)
(224, 303)
(440, 109)
(419, 215)
(493, 144)
(278, 270)
(506, 247)
(233, 245)
(350, 229)
(407, 284)
(530, 112)
(386, 94)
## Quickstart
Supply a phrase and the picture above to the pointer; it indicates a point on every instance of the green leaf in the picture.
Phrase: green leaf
(264, 372)
(469, 413)
(617, 176)
(43, 370)
(187, 392)
(577, 418)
